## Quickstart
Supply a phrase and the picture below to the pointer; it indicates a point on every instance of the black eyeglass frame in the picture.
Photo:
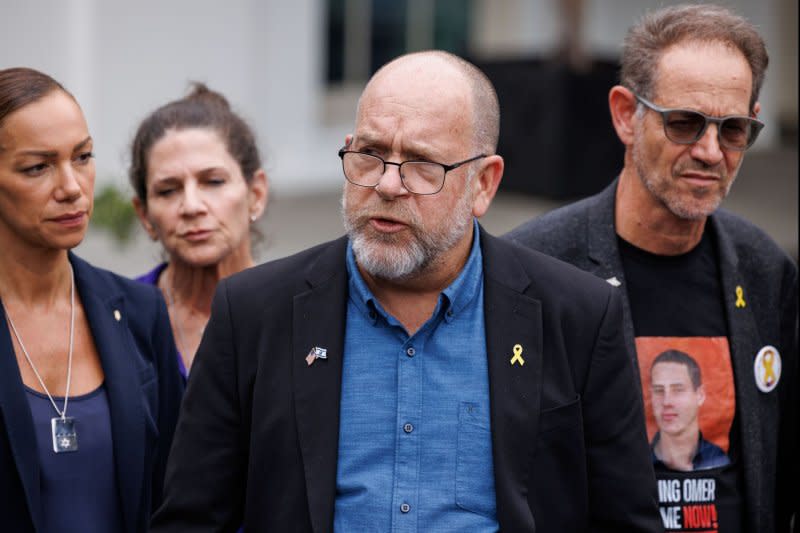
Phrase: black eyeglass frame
(755, 125)
(447, 168)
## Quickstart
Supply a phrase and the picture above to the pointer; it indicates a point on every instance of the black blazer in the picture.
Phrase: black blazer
(258, 433)
(144, 391)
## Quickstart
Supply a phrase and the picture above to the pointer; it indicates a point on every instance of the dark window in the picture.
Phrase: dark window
(362, 35)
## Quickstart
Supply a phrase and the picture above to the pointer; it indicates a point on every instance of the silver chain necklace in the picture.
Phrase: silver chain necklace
(183, 347)
(65, 438)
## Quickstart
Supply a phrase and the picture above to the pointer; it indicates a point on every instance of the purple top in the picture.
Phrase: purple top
(79, 489)
(151, 278)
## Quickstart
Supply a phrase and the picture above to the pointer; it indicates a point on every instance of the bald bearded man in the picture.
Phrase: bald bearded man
(417, 374)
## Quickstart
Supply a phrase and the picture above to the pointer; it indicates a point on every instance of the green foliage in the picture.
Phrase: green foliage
(114, 212)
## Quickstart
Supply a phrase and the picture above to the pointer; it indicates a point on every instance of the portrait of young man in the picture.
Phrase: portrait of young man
(676, 394)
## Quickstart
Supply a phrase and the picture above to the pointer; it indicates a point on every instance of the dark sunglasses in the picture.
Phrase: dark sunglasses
(684, 126)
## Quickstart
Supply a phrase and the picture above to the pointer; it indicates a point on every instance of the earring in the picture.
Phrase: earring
(253, 218)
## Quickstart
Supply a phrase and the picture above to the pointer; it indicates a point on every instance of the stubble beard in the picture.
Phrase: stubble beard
(700, 204)
(396, 257)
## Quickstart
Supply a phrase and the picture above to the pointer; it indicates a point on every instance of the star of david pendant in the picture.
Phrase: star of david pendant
(65, 438)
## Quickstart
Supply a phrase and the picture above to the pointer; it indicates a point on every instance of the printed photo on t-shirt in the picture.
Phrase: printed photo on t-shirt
(687, 384)
(689, 397)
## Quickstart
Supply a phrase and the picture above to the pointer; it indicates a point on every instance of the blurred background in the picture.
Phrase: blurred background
(295, 69)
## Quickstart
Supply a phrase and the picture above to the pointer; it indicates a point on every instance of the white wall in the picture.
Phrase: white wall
(123, 59)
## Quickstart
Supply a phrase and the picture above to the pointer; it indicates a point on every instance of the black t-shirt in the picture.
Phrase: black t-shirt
(687, 381)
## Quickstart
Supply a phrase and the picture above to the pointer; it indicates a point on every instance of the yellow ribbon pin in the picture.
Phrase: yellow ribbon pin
(769, 372)
(740, 297)
(518, 355)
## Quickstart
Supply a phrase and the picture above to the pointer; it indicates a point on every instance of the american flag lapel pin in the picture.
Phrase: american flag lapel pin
(316, 353)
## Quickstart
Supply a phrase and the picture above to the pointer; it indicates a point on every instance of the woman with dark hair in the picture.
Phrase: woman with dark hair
(89, 386)
(199, 187)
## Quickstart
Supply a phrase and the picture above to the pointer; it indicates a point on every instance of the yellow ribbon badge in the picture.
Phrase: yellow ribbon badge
(740, 296)
(767, 367)
(769, 373)
(518, 355)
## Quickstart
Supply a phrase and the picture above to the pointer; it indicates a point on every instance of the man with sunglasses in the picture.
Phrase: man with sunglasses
(692, 274)
(417, 374)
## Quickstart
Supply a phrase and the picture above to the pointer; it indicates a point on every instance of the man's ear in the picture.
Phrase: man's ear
(347, 140)
(141, 212)
(485, 184)
(701, 395)
(756, 109)
(622, 104)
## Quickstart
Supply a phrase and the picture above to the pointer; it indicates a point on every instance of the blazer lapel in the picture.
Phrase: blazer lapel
(18, 422)
(122, 385)
(755, 409)
(319, 317)
(603, 253)
(511, 319)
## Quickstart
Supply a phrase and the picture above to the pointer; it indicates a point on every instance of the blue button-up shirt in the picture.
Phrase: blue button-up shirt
(415, 450)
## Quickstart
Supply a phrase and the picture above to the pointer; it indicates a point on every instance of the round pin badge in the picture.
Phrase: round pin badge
(767, 368)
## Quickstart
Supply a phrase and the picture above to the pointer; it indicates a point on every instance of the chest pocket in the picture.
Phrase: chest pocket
(474, 468)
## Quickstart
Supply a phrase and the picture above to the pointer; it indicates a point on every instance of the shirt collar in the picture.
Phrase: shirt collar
(702, 446)
(360, 294)
(453, 299)
(467, 285)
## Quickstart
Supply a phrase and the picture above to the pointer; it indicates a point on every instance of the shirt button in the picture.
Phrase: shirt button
(373, 315)
(449, 312)
(411, 351)
(404, 508)
(408, 428)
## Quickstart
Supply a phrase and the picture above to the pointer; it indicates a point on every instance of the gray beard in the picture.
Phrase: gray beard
(660, 189)
(386, 257)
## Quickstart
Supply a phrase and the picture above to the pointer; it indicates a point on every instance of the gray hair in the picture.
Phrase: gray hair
(703, 23)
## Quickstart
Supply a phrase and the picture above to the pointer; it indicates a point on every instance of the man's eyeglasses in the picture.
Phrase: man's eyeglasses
(684, 126)
(419, 177)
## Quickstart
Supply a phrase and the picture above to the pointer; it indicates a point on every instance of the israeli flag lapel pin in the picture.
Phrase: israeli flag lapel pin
(316, 353)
